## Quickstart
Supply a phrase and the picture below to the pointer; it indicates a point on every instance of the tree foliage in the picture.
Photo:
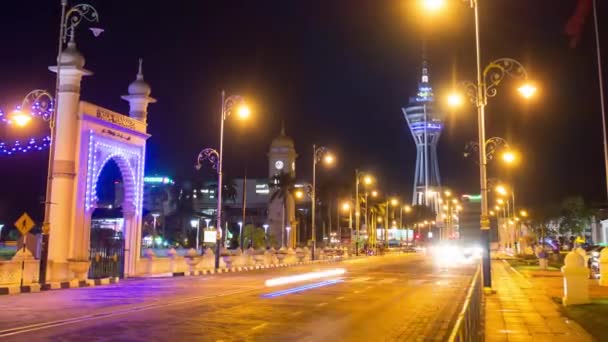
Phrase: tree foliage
(576, 216)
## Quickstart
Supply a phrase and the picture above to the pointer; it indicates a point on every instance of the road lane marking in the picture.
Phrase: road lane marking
(360, 279)
(340, 298)
(321, 304)
(296, 313)
(357, 291)
(259, 326)
(96, 316)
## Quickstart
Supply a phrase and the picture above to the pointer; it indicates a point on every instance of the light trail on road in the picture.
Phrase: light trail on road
(302, 288)
(304, 277)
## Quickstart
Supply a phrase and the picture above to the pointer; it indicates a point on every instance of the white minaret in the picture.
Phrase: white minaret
(66, 138)
(139, 97)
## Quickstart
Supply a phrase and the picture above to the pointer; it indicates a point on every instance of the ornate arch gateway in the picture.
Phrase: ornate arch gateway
(105, 136)
(86, 138)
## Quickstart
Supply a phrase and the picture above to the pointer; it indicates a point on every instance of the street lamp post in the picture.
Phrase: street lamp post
(215, 158)
(241, 237)
(317, 155)
(266, 225)
(195, 223)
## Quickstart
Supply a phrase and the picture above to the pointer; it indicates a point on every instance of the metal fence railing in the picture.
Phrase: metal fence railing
(469, 326)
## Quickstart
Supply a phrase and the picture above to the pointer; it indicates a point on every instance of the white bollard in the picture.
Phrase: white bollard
(172, 254)
(576, 280)
(604, 267)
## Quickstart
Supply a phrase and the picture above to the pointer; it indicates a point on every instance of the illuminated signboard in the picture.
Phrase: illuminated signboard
(158, 180)
(209, 236)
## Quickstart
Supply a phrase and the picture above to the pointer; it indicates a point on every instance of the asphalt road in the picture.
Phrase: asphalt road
(391, 298)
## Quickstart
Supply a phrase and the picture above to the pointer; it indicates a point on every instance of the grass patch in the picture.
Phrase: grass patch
(529, 264)
(592, 317)
(6, 253)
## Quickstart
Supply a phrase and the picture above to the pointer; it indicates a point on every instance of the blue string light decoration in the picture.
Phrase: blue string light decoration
(38, 110)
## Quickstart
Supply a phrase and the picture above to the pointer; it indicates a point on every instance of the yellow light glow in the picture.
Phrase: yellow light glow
(244, 112)
(527, 90)
(394, 202)
(374, 193)
(445, 207)
(447, 193)
(304, 277)
(500, 201)
(455, 201)
(379, 219)
(407, 208)
(433, 5)
(517, 219)
(299, 194)
(496, 207)
(459, 207)
(509, 157)
(346, 206)
(492, 213)
(329, 159)
(501, 190)
(523, 213)
(455, 100)
(19, 118)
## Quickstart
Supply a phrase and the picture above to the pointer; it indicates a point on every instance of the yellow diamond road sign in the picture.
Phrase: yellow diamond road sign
(24, 223)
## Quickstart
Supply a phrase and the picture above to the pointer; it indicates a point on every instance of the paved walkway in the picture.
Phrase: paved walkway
(519, 311)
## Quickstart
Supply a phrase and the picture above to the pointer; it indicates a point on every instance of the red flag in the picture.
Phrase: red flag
(574, 26)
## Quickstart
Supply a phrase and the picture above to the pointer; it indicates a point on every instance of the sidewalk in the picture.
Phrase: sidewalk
(519, 311)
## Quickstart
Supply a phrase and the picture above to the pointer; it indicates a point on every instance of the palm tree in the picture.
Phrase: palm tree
(283, 184)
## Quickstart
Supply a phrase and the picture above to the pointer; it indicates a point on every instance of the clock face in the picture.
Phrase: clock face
(279, 165)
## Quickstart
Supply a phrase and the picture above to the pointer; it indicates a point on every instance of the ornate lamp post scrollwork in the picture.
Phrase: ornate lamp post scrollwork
(493, 74)
(40, 102)
(493, 146)
(75, 15)
(208, 155)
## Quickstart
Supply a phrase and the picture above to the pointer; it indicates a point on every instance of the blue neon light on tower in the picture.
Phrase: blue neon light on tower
(425, 125)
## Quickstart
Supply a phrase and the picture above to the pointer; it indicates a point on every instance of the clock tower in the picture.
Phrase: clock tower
(282, 156)
(281, 212)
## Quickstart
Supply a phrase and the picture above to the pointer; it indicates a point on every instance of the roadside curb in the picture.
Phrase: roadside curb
(31, 288)
(252, 268)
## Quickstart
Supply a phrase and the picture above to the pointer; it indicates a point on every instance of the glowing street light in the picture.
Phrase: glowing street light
(19, 118)
(455, 100)
(501, 190)
(509, 157)
(527, 90)
(374, 193)
(523, 213)
(433, 5)
(394, 202)
(244, 112)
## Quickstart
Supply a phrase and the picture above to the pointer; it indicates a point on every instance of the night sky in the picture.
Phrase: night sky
(337, 72)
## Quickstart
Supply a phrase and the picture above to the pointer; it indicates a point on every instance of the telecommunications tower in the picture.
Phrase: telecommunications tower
(425, 125)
